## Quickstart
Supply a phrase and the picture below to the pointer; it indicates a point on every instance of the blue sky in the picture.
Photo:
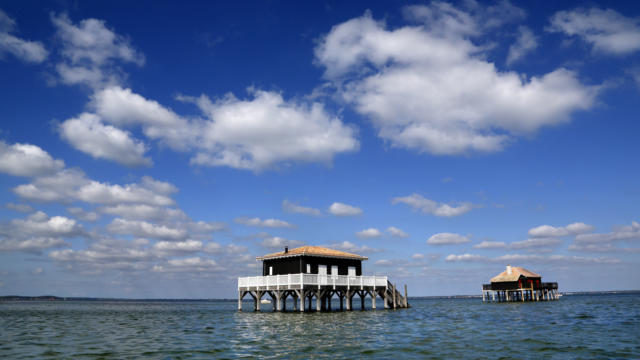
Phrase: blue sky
(154, 149)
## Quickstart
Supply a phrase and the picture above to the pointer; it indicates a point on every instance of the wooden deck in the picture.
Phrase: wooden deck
(508, 292)
(305, 287)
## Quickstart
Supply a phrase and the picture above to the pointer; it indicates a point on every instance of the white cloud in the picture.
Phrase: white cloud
(431, 88)
(525, 43)
(88, 134)
(270, 223)
(27, 160)
(292, 208)
(395, 232)
(23, 208)
(606, 30)
(427, 206)
(32, 244)
(519, 258)
(256, 134)
(267, 130)
(353, 248)
(30, 51)
(341, 209)
(40, 224)
(124, 108)
(620, 233)
(490, 245)
(369, 233)
(464, 257)
(145, 229)
(535, 243)
(178, 247)
(417, 256)
(551, 231)
(83, 215)
(447, 239)
(37, 232)
(191, 265)
(71, 184)
(276, 242)
(144, 212)
(90, 51)
(384, 262)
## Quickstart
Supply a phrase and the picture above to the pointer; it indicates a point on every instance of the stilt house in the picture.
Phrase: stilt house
(519, 284)
(314, 272)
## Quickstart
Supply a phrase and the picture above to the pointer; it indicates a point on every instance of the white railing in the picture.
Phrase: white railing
(299, 280)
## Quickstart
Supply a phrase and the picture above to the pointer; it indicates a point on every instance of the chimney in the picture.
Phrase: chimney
(508, 269)
(286, 250)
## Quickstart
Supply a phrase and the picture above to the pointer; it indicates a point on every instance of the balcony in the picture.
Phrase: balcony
(300, 281)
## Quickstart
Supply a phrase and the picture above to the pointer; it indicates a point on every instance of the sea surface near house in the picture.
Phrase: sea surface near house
(576, 326)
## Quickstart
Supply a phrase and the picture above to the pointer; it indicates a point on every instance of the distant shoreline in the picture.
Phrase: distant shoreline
(60, 298)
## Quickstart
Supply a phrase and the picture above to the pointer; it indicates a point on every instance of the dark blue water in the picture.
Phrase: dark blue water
(589, 326)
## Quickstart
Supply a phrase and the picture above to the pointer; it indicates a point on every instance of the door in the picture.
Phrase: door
(322, 269)
(334, 270)
(308, 268)
(322, 274)
(352, 271)
(270, 270)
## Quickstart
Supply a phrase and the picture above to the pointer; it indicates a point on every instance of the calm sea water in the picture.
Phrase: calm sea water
(585, 326)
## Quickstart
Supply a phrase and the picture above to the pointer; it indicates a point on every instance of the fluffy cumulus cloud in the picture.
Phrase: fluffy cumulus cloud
(88, 134)
(525, 43)
(27, 160)
(30, 51)
(267, 130)
(608, 31)
(447, 239)
(369, 233)
(90, 51)
(619, 233)
(38, 232)
(289, 207)
(395, 232)
(71, 184)
(262, 132)
(276, 242)
(520, 258)
(342, 209)
(428, 206)
(350, 247)
(269, 223)
(145, 229)
(552, 231)
(536, 243)
(490, 245)
(429, 87)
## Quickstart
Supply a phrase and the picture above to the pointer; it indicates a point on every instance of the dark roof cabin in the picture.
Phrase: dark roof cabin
(320, 273)
(312, 260)
(519, 284)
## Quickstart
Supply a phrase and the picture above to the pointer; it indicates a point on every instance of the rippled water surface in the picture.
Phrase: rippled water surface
(586, 326)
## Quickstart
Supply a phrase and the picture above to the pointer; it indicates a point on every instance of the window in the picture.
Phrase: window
(270, 270)
(352, 271)
(308, 268)
(334, 270)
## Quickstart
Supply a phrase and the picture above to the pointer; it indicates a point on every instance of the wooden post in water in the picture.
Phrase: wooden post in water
(406, 297)
(395, 301)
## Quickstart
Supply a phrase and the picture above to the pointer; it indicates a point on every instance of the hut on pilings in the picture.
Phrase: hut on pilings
(519, 284)
(314, 272)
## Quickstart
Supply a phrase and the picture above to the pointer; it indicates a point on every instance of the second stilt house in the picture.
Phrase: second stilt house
(316, 273)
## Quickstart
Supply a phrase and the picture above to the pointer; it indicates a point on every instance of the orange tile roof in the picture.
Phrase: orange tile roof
(516, 272)
(313, 251)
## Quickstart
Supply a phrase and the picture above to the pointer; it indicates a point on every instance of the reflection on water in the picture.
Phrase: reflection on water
(601, 326)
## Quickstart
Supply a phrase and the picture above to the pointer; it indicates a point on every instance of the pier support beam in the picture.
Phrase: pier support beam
(372, 293)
